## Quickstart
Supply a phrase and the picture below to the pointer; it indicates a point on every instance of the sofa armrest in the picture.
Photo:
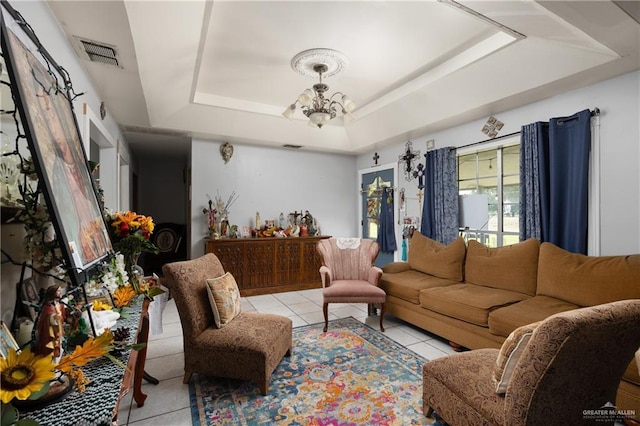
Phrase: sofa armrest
(395, 267)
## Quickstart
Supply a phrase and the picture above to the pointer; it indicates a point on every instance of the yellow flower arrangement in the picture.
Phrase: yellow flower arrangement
(130, 234)
(130, 223)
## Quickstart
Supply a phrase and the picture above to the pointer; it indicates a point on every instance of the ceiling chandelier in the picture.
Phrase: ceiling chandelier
(313, 103)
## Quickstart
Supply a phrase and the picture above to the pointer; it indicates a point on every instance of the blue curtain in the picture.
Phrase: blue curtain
(532, 137)
(440, 209)
(563, 147)
(386, 233)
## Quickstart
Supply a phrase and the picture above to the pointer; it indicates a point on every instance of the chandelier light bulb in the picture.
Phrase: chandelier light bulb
(348, 104)
(347, 117)
(288, 113)
(306, 98)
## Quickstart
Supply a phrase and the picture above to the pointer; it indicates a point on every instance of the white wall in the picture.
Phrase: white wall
(272, 180)
(619, 103)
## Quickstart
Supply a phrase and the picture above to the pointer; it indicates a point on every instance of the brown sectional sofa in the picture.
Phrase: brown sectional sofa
(475, 296)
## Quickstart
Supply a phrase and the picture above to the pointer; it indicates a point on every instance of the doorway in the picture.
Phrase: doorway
(372, 182)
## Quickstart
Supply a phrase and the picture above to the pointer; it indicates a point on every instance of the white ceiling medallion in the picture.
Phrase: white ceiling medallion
(305, 61)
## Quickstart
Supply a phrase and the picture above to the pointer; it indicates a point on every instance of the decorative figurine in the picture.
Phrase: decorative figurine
(51, 324)
(226, 150)
(309, 221)
(211, 218)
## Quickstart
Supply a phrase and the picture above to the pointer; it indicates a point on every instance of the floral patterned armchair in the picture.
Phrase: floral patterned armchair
(569, 369)
(249, 347)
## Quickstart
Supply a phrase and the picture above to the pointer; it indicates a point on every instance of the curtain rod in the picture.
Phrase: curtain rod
(595, 112)
(485, 141)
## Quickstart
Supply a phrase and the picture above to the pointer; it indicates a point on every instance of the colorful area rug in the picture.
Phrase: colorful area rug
(350, 375)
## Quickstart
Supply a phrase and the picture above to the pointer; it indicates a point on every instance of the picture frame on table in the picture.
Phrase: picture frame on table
(43, 94)
(7, 341)
(30, 297)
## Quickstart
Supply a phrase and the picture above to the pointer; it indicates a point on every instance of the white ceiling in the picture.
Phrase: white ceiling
(221, 69)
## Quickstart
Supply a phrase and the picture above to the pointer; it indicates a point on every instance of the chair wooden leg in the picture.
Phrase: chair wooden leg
(428, 412)
(383, 309)
(325, 311)
(264, 386)
(187, 377)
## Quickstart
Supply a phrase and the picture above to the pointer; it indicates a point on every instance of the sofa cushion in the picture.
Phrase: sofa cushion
(587, 280)
(408, 284)
(434, 258)
(509, 355)
(468, 302)
(395, 267)
(224, 297)
(512, 267)
(504, 320)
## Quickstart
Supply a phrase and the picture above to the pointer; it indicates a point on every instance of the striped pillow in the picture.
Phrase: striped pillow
(509, 355)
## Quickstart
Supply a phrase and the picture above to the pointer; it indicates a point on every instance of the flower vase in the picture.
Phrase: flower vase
(132, 268)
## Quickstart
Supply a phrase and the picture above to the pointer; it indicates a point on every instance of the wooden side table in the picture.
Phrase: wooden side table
(108, 382)
(135, 367)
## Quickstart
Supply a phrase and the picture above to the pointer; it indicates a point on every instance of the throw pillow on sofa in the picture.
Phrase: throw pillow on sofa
(433, 258)
(513, 267)
(509, 355)
(224, 297)
(587, 280)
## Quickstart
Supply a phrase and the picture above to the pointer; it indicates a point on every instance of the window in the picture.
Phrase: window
(492, 177)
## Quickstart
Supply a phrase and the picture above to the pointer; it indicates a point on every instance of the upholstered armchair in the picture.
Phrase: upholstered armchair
(249, 347)
(572, 363)
(348, 274)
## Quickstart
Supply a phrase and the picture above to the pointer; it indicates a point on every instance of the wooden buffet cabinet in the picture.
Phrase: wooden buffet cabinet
(269, 265)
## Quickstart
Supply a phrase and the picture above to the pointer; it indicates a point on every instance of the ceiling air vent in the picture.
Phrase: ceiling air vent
(98, 52)
(292, 146)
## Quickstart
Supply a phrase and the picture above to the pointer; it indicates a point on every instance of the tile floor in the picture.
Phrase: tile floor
(168, 402)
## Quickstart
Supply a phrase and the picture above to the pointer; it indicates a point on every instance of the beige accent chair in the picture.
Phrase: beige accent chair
(573, 362)
(249, 347)
(348, 274)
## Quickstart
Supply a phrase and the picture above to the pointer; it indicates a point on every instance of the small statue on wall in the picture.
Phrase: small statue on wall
(226, 150)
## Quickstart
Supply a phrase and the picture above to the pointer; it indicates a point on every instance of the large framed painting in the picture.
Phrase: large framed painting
(43, 99)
